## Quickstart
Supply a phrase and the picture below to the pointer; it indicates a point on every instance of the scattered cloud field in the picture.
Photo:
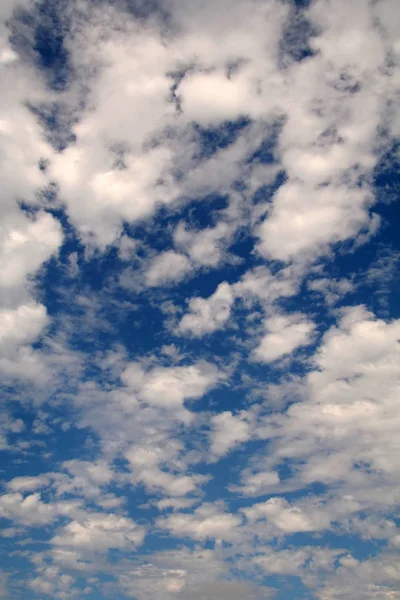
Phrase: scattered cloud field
(199, 299)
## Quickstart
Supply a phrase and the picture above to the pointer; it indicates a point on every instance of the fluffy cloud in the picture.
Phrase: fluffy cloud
(186, 574)
(28, 484)
(206, 522)
(170, 387)
(25, 245)
(285, 334)
(83, 478)
(257, 484)
(204, 247)
(208, 315)
(288, 518)
(167, 267)
(296, 561)
(9, 425)
(227, 590)
(29, 510)
(22, 324)
(227, 431)
(305, 220)
(99, 532)
(211, 97)
(373, 578)
(146, 464)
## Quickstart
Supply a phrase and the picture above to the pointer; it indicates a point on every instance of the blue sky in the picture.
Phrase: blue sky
(199, 300)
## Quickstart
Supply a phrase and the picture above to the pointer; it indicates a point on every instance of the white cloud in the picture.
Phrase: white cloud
(152, 581)
(228, 431)
(156, 479)
(186, 574)
(127, 247)
(52, 582)
(28, 483)
(208, 315)
(84, 478)
(98, 532)
(333, 107)
(8, 425)
(296, 561)
(285, 334)
(205, 247)
(257, 484)
(176, 503)
(25, 364)
(227, 590)
(148, 464)
(305, 220)
(260, 284)
(115, 172)
(143, 421)
(28, 510)
(211, 97)
(26, 241)
(376, 578)
(287, 517)
(111, 195)
(21, 325)
(206, 522)
(170, 387)
(108, 176)
(167, 267)
(25, 245)
(331, 289)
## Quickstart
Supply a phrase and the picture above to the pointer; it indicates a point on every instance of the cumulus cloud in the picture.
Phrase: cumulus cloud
(167, 267)
(206, 522)
(293, 561)
(29, 510)
(187, 574)
(170, 387)
(279, 513)
(207, 315)
(22, 324)
(227, 431)
(147, 468)
(99, 532)
(206, 246)
(305, 220)
(257, 484)
(25, 246)
(27, 483)
(284, 335)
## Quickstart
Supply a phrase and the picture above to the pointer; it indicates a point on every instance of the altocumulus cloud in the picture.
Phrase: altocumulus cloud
(199, 299)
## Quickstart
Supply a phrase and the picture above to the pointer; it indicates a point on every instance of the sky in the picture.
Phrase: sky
(200, 299)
